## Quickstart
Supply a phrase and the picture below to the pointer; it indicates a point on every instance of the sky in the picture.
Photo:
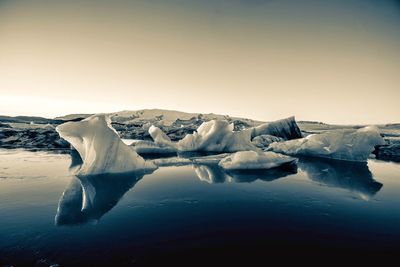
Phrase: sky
(334, 61)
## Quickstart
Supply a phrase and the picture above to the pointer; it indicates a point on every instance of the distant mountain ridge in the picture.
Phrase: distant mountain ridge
(162, 116)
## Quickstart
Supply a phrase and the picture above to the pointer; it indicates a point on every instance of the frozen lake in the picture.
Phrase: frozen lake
(193, 213)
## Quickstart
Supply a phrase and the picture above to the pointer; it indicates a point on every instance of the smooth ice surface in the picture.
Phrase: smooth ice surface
(353, 145)
(248, 160)
(101, 149)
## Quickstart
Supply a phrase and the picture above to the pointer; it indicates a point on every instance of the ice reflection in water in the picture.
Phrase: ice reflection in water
(353, 176)
(214, 174)
(88, 198)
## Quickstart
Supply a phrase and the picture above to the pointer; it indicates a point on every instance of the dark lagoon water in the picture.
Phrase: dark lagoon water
(195, 214)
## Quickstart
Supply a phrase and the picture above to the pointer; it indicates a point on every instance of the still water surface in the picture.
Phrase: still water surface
(193, 213)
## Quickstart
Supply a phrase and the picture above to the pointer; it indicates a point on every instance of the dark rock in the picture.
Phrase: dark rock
(4, 125)
(390, 152)
(285, 128)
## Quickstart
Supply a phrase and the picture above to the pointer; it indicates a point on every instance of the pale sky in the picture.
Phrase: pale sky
(334, 61)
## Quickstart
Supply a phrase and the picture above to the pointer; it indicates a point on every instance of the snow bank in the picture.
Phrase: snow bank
(250, 160)
(352, 145)
(100, 147)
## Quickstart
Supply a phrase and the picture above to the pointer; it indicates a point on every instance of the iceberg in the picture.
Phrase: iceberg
(285, 128)
(252, 160)
(100, 147)
(211, 136)
(216, 136)
(352, 145)
(160, 138)
(219, 136)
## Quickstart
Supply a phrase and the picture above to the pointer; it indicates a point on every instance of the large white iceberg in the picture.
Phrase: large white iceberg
(352, 145)
(252, 160)
(100, 147)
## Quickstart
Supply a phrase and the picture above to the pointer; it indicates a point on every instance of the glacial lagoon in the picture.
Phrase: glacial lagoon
(194, 213)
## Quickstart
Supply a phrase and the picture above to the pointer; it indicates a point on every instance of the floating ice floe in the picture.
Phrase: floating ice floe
(172, 161)
(352, 145)
(149, 147)
(210, 159)
(252, 160)
(100, 147)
